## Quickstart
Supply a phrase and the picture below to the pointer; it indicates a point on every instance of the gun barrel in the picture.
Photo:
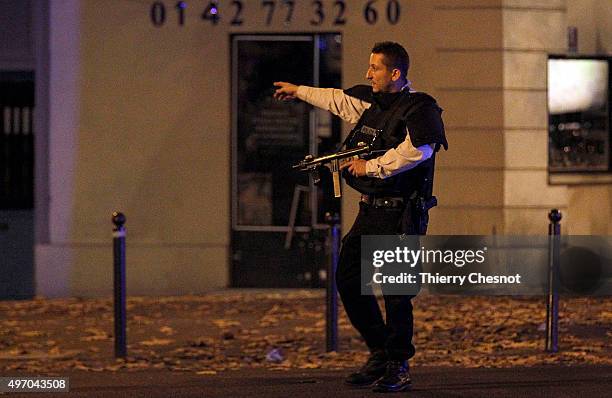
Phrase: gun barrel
(311, 162)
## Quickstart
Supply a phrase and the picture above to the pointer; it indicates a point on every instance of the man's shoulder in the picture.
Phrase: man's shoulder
(423, 120)
(417, 101)
(362, 92)
(420, 97)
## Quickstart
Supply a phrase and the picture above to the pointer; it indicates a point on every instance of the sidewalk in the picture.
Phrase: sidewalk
(221, 344)
(554, 381)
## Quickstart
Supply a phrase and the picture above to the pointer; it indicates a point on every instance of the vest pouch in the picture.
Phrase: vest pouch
(363, 135)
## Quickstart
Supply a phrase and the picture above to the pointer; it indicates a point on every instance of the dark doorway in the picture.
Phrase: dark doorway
(270, 200)
(16, 185)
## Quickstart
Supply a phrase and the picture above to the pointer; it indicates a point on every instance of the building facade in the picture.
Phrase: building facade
(134, 113)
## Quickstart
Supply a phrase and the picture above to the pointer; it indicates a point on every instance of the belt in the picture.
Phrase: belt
(382, 201)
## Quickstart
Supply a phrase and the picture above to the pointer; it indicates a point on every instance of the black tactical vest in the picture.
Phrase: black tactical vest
(390, 117)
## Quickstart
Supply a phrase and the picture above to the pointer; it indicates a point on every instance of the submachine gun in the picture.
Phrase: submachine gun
(332, 162)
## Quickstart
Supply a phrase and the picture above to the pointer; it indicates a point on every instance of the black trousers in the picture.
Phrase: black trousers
(394, 335)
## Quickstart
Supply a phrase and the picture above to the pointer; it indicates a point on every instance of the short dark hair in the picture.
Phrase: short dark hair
(395, 56)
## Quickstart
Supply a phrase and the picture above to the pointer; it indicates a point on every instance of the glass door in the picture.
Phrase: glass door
(277, 236)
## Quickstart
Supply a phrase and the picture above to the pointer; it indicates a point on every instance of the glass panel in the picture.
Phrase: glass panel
(579, 131)
(270, 135)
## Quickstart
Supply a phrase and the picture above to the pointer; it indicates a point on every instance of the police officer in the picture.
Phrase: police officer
(406, 130)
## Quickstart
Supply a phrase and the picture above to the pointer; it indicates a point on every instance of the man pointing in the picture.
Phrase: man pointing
(405, 129)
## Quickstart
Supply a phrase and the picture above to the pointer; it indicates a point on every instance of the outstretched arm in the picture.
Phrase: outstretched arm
(334, 100)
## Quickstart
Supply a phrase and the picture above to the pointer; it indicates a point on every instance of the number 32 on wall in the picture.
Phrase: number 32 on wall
(331, 12)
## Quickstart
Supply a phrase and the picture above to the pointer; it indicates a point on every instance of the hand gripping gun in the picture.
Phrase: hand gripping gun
(332, 162)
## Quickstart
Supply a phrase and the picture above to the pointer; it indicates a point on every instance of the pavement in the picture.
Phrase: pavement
(548, 381)
(217, 345)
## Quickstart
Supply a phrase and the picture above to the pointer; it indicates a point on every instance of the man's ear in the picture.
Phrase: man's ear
(396, 74)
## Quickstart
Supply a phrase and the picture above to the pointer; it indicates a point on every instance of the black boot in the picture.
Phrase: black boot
(373, 369)
(396, 378)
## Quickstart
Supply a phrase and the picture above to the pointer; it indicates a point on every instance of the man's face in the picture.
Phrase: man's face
(383, 79)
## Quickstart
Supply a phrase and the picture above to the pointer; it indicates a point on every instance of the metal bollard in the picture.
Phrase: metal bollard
(552, 298)
(331, 314)
(119, 284)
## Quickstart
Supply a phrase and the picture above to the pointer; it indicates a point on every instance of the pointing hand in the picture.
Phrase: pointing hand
(285, 91)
